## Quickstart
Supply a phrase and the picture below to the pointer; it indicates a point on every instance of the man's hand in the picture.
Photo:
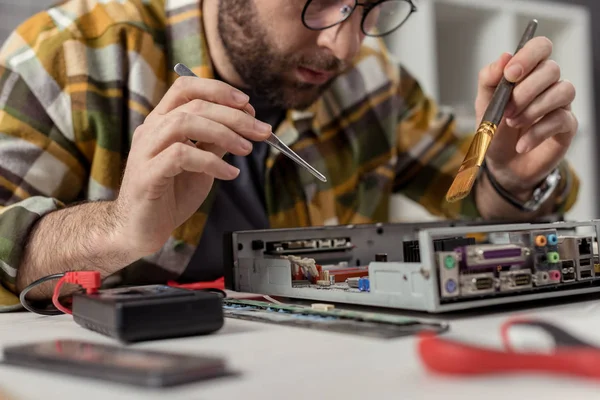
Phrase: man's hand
(538, 125)
(166, 180)
(176, 155)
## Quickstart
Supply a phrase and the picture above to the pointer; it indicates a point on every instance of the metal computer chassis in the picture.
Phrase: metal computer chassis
(256, 264)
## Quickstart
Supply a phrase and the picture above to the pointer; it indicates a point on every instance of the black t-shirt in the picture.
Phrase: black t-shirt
(238, 205)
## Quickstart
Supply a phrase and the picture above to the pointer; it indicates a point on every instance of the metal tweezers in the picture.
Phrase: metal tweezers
(273, 140)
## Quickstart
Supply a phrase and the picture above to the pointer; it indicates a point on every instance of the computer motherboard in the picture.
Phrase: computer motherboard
(433, 267)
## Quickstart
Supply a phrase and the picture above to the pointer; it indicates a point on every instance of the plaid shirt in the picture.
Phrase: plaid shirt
(77, 79)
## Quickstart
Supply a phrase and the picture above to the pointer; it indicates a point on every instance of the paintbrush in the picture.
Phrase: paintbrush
(469, 169)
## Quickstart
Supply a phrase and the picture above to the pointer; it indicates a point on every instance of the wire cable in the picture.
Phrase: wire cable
(56, 295)
(25, 303)
(90, 281)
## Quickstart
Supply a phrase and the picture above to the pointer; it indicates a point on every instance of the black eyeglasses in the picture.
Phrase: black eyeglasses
(380, 17)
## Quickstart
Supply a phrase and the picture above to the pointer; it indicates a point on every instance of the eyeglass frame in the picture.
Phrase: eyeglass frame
(368, 7)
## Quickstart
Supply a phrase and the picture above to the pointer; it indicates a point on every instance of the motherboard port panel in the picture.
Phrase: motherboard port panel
(434, 267)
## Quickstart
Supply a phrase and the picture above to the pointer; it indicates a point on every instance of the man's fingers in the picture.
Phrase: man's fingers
(213, 148)
(526, 60)
(181, 127)
(179, 158)
(250, 109)
(559, 95)
(238, 121)
(560, 125)
(489, 78)
(186, 89)
(543, 76)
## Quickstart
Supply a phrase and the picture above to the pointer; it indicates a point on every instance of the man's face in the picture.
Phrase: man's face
(280, 59)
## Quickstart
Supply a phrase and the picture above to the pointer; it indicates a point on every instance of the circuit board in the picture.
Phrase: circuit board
(382, 326)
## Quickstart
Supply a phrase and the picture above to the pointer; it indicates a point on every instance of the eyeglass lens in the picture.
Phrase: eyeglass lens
(381, 19)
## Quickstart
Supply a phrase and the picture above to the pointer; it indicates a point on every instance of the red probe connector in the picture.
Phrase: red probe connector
(88, 280)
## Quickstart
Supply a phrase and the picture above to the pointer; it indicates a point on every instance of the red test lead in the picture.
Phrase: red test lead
(571, 357)
(88, 280)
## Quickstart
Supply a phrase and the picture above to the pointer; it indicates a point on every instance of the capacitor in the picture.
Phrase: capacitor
(381, 257)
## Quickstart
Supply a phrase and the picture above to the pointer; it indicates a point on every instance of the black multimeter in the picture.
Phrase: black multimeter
(133, 314)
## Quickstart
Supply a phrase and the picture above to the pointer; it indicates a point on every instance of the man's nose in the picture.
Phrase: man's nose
(343, 40)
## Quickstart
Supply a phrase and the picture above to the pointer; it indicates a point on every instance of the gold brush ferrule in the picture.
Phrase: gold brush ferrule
(479, 146)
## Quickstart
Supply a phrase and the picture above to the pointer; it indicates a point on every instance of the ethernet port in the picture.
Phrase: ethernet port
(585, 247)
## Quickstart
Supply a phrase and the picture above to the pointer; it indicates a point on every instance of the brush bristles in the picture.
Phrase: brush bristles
(462, 185)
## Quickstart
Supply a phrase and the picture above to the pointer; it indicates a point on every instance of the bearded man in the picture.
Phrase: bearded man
(109, 161)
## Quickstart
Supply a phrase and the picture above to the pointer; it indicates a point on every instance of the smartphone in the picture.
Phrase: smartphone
(116, 364)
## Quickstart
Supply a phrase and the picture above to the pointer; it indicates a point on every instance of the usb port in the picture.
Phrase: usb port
(585, 274)
(585, 262)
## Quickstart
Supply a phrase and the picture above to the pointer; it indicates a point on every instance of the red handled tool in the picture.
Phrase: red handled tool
(571, 356)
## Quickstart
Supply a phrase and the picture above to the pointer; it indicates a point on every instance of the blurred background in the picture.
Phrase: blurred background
(447, 42)
(12, 12)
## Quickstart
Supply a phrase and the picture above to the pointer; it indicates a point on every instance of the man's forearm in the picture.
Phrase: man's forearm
(82, 237)
(492, 206)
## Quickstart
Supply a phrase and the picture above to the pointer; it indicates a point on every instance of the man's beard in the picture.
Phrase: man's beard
(258, 63)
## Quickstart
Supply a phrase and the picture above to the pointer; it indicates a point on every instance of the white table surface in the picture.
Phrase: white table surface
(295, 363)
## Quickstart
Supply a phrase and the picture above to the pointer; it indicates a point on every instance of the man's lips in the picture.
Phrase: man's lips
(316, 77)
